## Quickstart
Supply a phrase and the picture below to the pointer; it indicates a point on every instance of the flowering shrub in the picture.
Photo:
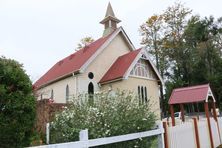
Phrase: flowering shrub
(105, 115)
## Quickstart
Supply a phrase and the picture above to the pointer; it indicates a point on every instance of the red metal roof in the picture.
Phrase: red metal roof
(189, 94)
(70, 64)
(120, 66)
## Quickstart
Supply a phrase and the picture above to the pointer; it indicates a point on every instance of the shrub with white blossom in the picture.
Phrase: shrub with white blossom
(104, 116)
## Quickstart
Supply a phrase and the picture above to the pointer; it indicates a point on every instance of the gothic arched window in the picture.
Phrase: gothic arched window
(52, 94)
(67, 92)
(90, 88)
(142, 69)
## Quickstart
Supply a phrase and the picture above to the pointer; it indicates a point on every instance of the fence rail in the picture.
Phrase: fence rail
(85, 142)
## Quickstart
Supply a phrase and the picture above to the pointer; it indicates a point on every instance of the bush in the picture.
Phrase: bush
(107, 115)
(17, 105)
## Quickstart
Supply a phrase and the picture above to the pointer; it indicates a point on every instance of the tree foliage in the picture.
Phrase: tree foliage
(84, 42)
(108, 115)
(17, 105)
(189, 48)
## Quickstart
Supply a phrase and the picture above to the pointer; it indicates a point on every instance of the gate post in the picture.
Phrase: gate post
(208, 122)
(166, 143)
(47, 132)
(196, 132)
(161, 136)
(172, 115)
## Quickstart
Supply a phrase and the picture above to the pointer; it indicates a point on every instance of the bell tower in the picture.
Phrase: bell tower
(110, 21)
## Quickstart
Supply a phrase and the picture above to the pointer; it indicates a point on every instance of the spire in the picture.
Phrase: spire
(110, 21)
(109, 11)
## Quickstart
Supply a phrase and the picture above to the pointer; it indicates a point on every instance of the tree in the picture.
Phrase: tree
(152, 37)
(191, 47)
(84, 42)
(107, 115)
(17, 105)
(163, 35)
(175, 18)
(204, 37)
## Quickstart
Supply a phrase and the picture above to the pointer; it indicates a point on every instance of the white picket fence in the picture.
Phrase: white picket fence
(204, 136)
(215, 133)
(183, 135)
(85, 142)
(220, 126)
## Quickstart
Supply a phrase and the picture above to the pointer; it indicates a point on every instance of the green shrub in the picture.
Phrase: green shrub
(17, 105)
(107, 115)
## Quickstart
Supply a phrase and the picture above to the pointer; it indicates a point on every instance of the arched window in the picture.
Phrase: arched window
(142, 69)
(139, 94)
(142, 94)
(67, 92)
(145, 93)
(139, 91)
(90, 88)
(91, 92)
(52, 94)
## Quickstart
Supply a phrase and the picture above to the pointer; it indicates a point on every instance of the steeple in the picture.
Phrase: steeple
(110, 21)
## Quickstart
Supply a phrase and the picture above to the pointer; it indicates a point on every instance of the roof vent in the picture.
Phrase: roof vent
(85, 48)
(60, 62)
(71, 56)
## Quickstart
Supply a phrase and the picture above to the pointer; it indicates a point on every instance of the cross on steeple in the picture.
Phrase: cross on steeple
(110, 21)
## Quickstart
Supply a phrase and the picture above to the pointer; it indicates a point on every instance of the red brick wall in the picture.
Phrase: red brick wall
(46, 110)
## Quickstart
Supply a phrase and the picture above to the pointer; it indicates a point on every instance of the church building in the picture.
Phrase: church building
(108, 64)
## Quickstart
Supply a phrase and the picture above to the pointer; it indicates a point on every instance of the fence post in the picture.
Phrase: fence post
(161, 136)
(47, 132)
(83, 136)
(196, 132)
(166, 142)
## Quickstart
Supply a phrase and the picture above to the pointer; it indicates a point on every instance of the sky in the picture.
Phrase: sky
(39, 33)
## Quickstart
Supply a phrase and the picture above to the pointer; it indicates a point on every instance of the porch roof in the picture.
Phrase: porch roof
(191, 94)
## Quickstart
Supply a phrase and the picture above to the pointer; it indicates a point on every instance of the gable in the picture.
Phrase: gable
(118, 33)
(191, 94)
(125, 65)
(102, 63)
(143, 69)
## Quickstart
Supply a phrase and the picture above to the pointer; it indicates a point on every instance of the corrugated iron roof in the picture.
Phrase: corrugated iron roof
(70, 64)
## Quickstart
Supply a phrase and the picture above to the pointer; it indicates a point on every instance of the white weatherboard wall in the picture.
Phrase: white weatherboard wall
(182, 136)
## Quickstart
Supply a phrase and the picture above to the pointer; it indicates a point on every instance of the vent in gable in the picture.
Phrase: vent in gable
(144, 57)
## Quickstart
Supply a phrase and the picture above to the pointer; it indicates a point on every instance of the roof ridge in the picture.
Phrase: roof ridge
(137, 50)
(191, 87)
